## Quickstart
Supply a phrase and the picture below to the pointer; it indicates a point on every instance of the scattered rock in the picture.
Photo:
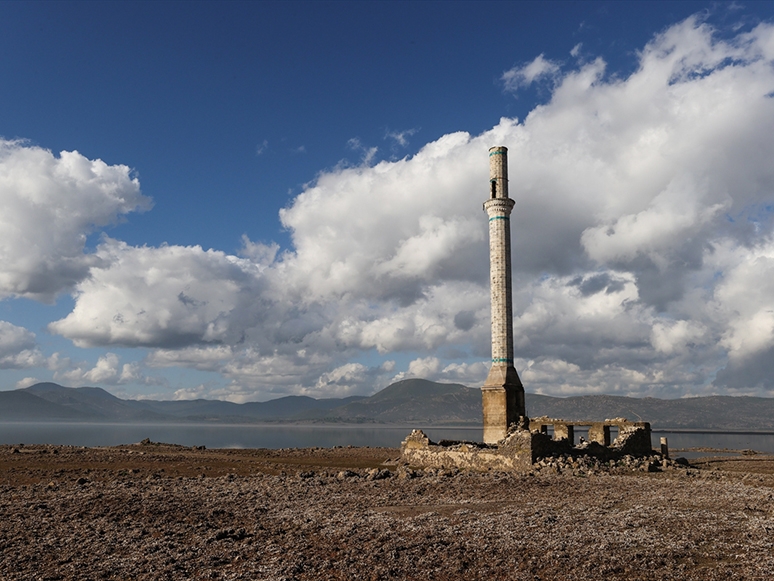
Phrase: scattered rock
(321, 514)
(406, 473)
(345, 474)
(376, 474)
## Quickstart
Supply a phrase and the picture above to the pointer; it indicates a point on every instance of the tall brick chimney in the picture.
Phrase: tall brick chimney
(502, 393)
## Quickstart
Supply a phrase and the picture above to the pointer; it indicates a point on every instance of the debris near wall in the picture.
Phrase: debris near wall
(584, 465)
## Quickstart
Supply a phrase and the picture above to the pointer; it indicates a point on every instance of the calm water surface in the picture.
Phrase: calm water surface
(295, 436)
(220, 436)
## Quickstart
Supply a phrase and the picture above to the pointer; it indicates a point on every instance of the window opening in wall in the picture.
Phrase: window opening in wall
(494, 189)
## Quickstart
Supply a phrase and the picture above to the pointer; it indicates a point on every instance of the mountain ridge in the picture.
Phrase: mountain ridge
(411, 401)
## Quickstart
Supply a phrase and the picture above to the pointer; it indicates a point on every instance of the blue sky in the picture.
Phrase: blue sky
(284, 198)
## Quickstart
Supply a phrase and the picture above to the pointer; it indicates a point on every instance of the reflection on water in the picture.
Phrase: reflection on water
(296, 436)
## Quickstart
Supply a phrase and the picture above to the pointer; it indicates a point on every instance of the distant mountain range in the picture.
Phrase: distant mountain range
(412, 401)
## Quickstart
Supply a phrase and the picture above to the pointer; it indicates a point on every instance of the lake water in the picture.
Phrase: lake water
(221, 435)
(303, 436)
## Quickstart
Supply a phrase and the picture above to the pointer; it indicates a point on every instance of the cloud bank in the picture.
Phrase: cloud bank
(643, 253)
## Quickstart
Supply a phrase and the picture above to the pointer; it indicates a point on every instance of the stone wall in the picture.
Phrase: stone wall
(633, 437)
(514, 456)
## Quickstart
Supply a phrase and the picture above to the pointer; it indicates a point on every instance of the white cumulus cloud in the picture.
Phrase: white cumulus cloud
(49, 205)
(171, 295)
(525, 75)
(18, 348)
(107, 371)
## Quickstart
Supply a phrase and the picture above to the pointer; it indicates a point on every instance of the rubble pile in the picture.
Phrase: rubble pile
(580, 465)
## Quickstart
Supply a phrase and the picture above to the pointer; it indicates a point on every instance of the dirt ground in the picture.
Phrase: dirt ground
(154, 511)
(36, 463)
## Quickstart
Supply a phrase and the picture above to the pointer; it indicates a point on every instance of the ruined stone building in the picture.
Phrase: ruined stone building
(511, 440)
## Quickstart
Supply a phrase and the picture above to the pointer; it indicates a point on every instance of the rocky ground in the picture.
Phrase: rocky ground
(151, 511)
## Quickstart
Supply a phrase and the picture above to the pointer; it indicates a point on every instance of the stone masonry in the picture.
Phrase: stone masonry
(502, 392)
(526, 442)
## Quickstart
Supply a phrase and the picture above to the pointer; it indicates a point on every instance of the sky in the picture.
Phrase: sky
(247, 200)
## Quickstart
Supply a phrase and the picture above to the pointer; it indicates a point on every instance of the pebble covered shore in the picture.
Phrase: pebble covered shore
(167, 512)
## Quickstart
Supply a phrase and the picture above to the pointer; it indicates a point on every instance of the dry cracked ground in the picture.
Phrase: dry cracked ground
(151, 511)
